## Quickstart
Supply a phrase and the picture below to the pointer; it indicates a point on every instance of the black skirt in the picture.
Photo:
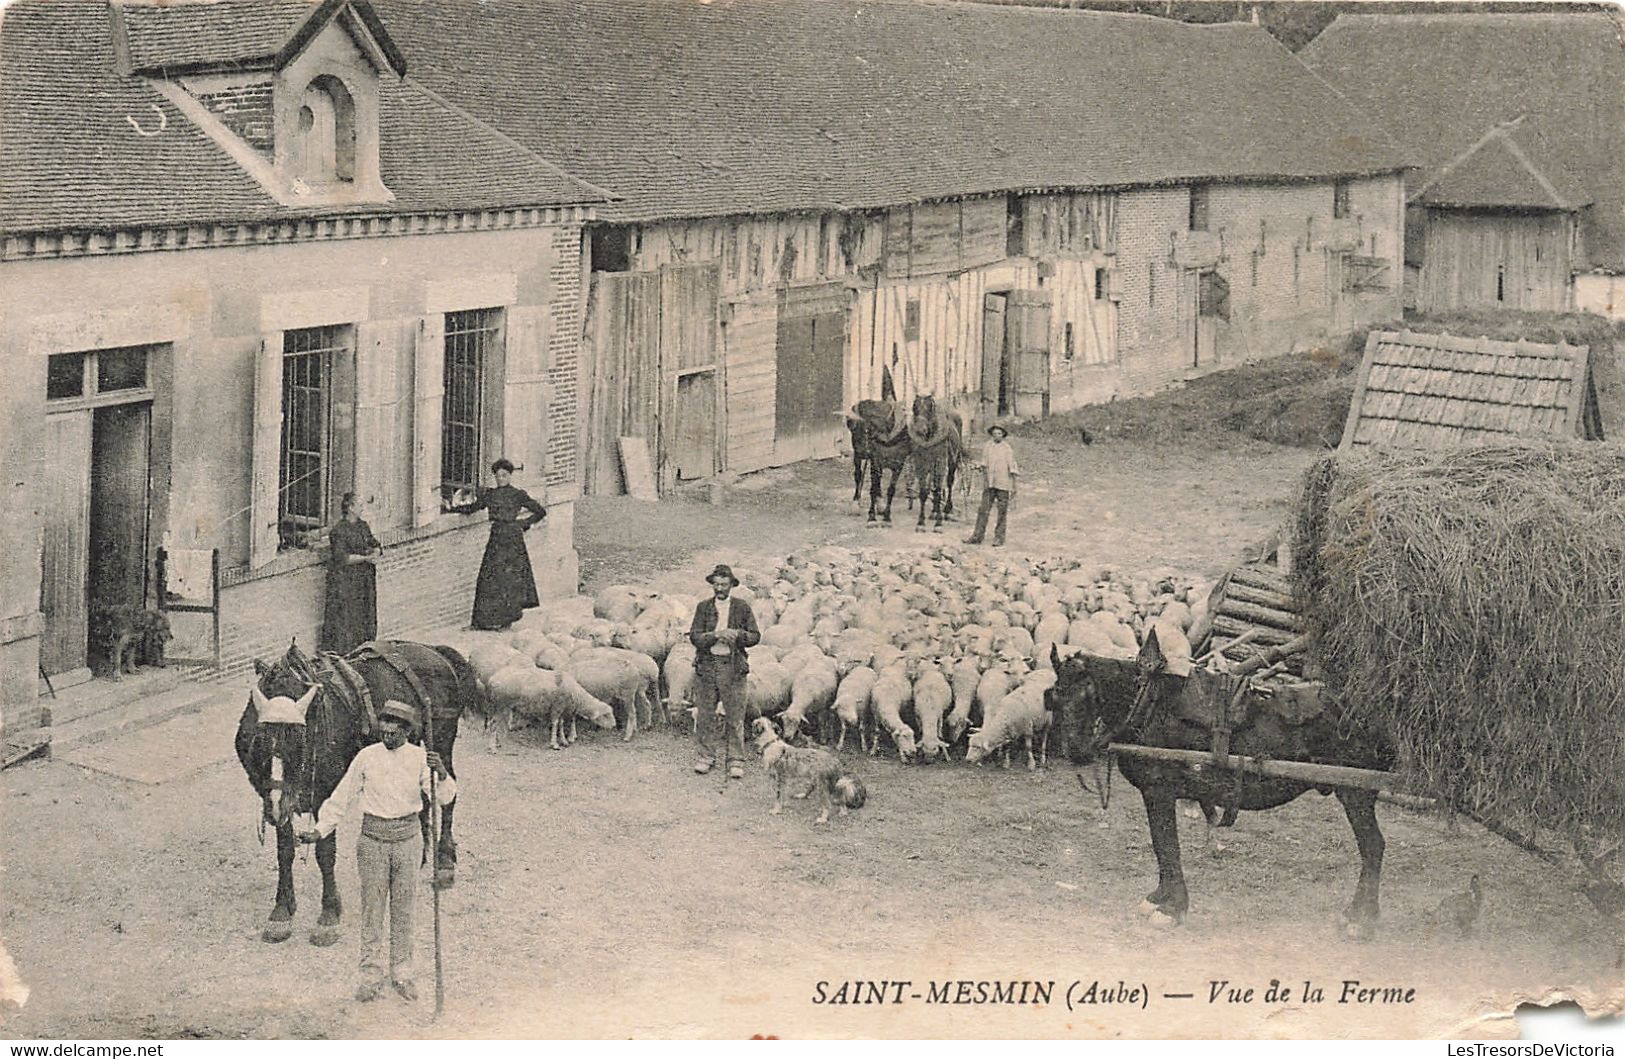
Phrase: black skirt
(507, 585)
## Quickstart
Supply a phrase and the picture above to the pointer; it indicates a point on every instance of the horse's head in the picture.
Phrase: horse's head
(924, 409)
(280, 699)
(1092, 699)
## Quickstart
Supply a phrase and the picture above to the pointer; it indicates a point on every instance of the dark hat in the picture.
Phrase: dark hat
(396, 710)
(1000, 427)
(722, 571)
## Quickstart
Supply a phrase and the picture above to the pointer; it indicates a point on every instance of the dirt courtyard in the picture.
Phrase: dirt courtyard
(607, 891)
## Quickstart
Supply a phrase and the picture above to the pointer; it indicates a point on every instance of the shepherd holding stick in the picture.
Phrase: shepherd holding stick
(390, 778)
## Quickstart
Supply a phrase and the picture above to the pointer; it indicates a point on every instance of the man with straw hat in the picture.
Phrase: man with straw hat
(999, 467)
(723, 628)
(391, 778)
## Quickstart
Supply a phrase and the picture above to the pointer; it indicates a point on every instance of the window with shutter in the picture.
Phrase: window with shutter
(471, 338)
(310, 358)
(1215, 296)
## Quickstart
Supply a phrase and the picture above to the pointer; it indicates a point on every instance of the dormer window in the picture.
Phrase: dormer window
(324, 152)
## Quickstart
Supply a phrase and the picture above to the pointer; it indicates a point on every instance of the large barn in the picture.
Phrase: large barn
(1018, 209)
(1517, 124)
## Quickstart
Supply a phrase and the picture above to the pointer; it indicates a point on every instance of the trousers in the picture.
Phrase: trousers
(990, 497)
(388, 887)
(722, 682)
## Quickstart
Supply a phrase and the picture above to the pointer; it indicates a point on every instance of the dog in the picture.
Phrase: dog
(132, 636)
(809, 768)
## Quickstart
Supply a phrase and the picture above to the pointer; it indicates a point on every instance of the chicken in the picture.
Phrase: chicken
(1461, 910)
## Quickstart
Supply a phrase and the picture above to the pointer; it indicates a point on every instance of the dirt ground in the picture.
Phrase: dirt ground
(607, 891)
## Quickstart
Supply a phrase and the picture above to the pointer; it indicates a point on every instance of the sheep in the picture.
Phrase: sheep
(964, 676)
(1020, 713)
(679, 673)
(892, 693)
(491, 657)
(541, 694)
(933, 695)
(767, 688)
(623, 677)
(852, 705)
(812, 693)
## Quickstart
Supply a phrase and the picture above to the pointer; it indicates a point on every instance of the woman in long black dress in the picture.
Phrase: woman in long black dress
(507, 585)
(350, 617)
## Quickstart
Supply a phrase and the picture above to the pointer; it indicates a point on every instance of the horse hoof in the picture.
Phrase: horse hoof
(278, 930)
(1147, 908)
(445, 878)
(322, 937)
(1161, 920)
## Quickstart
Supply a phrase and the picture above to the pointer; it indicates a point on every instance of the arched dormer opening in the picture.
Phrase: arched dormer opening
(325, 148)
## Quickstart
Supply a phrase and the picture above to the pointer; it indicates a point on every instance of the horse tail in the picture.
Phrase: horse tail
(469, 695)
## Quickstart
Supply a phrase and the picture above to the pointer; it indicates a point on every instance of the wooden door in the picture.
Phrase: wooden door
(995, 400)
(810, 354)
(65, 510)
(1028, 342)
(119, 484)
(694, 427)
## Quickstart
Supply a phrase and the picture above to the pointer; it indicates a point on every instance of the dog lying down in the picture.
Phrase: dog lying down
(806, 770)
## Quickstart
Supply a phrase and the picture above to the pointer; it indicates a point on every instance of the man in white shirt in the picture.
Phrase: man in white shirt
(999, 462)
(391, 778)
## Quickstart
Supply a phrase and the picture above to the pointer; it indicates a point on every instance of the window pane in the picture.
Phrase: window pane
(65, 376)
(470, 336)
(121, 369)
(303, 473)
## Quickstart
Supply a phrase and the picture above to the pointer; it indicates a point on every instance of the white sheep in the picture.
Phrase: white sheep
(853, 707)
(893, 692)
(1021, 713)
(933, 696)
(812, 693)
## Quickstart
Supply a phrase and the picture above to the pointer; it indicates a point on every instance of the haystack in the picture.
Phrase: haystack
(1472, 604)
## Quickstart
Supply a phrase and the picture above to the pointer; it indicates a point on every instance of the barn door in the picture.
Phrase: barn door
(694, 444)
(66, 515)
(995, 391)
(1027, 316)
(811, 354)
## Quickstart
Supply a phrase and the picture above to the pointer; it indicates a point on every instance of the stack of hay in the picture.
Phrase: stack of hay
(1472, 604)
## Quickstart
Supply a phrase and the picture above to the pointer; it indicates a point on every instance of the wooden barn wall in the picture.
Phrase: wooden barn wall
(1465, 250)
(750, 374)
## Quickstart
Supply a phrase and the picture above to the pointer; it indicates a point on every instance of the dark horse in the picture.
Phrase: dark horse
(936, 444)
(880, 443)
(1099, 701)
(294, 767)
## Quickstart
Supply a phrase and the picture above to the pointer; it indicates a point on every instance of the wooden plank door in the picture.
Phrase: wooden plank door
(119, 492)
(1028, 314)
(65, 510)
(811, 355)
(995, 400)
(694, 442)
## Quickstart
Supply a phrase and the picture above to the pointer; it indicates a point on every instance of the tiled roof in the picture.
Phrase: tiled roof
(82, 147)
(170, 35)
(1499, 171)
(1439, 83)
(689, 108)
(1436, 391)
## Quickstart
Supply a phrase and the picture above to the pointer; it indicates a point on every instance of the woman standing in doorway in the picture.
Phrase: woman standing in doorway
(350, 617)
(507, 585)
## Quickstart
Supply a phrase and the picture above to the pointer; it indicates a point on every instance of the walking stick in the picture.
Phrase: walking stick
(434, 863)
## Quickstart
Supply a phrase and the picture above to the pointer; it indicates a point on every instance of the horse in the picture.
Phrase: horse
(936, 444)
(1099, 701)
(880, 442)
(294, 767)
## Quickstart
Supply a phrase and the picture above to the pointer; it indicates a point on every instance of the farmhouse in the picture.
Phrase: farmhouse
(1020, 210)
(247, 268)
(1518, 125)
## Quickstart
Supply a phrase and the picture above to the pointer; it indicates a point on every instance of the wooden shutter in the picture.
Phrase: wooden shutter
(266, 464)
(525, 394)
(428, 391)
(341, 440)
(376, 395)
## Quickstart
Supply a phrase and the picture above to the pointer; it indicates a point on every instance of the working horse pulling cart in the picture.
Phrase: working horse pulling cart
(1247, 735)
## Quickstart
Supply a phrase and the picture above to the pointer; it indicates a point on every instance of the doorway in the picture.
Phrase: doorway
(694, 434)
(996, 389)
(120, 462)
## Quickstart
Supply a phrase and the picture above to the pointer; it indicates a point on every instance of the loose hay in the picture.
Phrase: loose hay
(1470, 604)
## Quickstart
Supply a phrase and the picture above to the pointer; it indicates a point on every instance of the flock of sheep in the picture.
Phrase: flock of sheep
(928, 648)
